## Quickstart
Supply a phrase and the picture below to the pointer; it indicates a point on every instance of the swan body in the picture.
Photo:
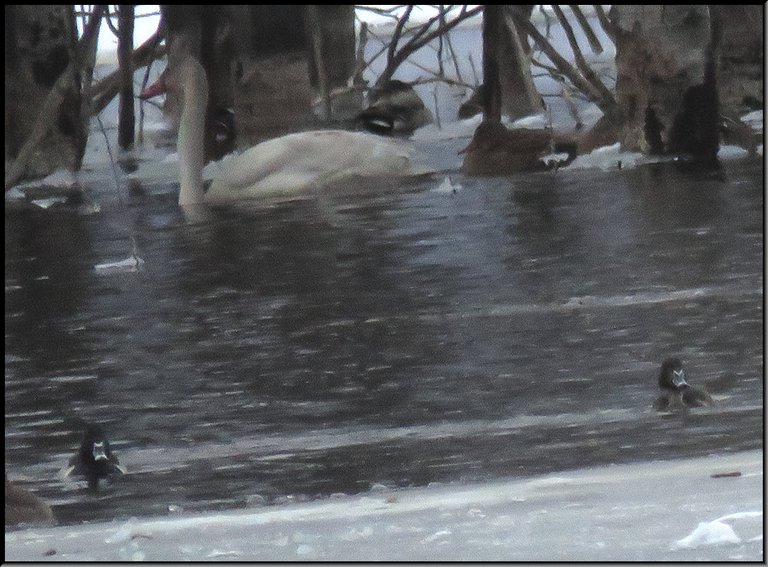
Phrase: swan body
(285, 165)
(306, 160)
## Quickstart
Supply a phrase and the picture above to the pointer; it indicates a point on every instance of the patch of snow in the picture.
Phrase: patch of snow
(15, 194)
(447, 187)
(132, 264)
(731, 152)
(450, 131)
(61, 178)
(607, 158)
(49, 202)
(533, 121)
(754, 119)
(708, 533)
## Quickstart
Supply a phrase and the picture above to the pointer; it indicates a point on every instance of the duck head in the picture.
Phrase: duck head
(394, 109)
(94, 445)
(672, 375)
(94, 460)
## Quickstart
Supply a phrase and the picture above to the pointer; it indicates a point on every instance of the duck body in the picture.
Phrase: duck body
(23, 507)
(285, 165)
(676, 393)
(94, 460)
(496, 150)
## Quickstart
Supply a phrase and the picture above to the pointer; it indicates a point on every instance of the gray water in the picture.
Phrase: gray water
(381, 334)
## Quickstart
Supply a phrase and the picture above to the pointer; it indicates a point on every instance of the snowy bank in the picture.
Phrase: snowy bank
(694, 509)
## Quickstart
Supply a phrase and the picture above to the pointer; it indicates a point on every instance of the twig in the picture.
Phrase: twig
(396, 34)
(455, 59)
(420, 39)
(437, 107)
(111, 160)
(474, 70)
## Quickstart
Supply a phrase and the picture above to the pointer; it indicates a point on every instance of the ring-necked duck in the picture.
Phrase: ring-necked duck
(23, 507)
(395, 109)
(677, 393)
(94, 460)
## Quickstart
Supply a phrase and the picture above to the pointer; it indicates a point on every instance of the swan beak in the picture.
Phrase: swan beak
(155, 89)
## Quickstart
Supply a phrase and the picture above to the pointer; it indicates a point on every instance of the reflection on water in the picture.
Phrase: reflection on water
(392, 335)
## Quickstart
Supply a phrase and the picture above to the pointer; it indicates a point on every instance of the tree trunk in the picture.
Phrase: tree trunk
(331, 59)
(492, 26)
(665, 87)
(126, 119)
(519, 96)
(39, 47)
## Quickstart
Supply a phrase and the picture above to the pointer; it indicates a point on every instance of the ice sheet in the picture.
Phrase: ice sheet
(664, 510)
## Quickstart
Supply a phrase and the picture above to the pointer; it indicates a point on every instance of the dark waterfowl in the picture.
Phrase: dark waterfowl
(23, 507)
(496, 150)
(94, 460)
(395, 109)
(473, 105)
(677, 393)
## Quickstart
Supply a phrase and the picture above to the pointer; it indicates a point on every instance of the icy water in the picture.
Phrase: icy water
(381, 335)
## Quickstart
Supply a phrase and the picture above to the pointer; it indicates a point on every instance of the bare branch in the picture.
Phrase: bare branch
(565, 68)
(594, 43)
(110, 25)
(420, 39)
(581, 63)
(106, 89)
(396, 35)
(605, 23)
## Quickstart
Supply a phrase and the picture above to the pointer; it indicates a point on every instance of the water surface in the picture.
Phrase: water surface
(381, 333)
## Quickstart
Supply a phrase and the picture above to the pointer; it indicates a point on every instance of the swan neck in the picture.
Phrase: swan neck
(190, 143)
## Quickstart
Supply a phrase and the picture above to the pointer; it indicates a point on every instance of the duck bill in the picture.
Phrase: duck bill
(99, 453)
(678, 379)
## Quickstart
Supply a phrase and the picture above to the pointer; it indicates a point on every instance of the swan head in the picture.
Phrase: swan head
(185, 78)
